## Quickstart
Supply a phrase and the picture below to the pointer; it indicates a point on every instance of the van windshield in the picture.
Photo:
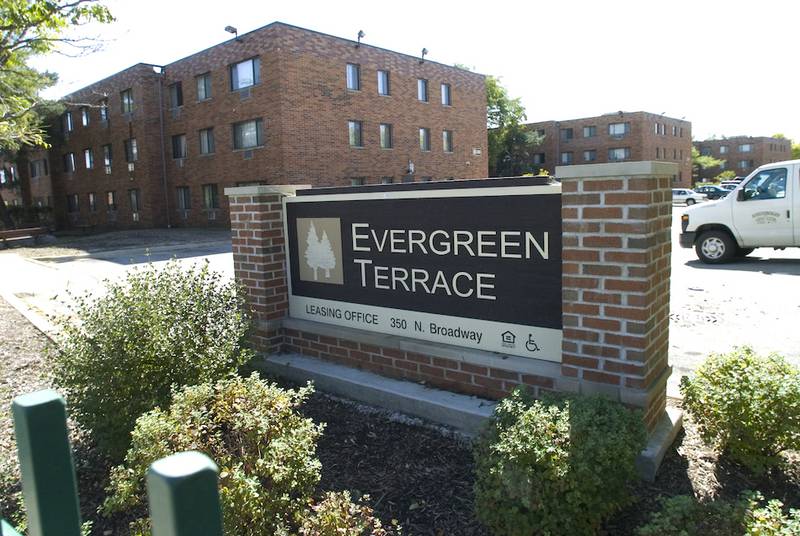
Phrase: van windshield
(769, 184)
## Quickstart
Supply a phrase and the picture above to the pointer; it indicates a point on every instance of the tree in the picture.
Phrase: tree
(796, 151)
(312, 250)
(327, 257)
(29, 28)
(511, 145)
(703, 162)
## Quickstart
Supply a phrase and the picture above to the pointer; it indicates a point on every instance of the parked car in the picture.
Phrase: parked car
(687, 196)
(712, 191)
(763, 212)
(729, 186)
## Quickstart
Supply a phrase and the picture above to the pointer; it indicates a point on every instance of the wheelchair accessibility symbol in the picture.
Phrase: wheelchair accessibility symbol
(531, 344)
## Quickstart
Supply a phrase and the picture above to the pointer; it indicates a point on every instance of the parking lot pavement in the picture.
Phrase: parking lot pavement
(755, 301)
(714, 308)
(43, 281)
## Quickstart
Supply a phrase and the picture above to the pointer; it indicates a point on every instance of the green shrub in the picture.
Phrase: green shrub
(746, 405)
(265, 449)
(558, 466)
(121, 353)
(337, 515)
(684, 516)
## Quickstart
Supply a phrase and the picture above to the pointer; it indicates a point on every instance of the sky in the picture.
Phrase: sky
(723, 65)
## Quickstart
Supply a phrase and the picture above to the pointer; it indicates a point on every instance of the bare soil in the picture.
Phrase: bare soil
(419, 474)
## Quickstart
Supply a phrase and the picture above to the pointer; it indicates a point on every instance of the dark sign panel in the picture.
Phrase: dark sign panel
(478, 267)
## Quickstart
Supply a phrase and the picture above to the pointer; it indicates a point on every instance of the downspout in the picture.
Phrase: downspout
(163, 155)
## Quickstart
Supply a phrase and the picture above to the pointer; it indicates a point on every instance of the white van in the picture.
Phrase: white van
(763, 211)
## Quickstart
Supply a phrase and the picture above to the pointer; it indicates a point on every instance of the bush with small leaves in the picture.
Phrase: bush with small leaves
(338, 515)
(557, 466)
(682, 515)
(746, 405)
(264, 447)
(122, 352)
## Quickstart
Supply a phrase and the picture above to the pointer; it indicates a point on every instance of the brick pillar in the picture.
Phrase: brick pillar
(259, 261)
(616, 272)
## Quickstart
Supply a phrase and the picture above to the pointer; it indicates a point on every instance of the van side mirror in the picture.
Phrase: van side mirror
(740, 194)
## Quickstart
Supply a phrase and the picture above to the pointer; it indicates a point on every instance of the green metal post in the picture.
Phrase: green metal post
(45, 460)
(183, 496)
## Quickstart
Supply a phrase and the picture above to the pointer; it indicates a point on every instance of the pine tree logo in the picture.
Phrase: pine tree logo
(322, 242)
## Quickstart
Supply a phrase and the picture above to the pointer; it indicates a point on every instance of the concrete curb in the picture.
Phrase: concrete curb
(39, 322)
(467, 414)
(464, 413)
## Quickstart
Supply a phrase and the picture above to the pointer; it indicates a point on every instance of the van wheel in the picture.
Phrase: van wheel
(715, 247)
(689, 202)
(744, 252)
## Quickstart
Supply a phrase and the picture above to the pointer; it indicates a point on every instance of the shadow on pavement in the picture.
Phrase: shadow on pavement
(754, 264)
(142, 255)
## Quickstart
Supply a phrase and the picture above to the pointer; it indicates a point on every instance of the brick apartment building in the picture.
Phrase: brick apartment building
(616, 137)
(157, 145)
(743, 154)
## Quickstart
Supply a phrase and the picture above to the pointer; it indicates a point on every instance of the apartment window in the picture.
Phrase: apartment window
(744, 164)
(746, 148)
(383, 83)
(85, 116)
(248, 134)
(538, 158)
(705, 151)
(540, 132)
(73, 203)
(566, 158)
(111, 200)
(184, 197)
(179, 146)
(355, 134)
(39, 168)
(358, 181)
(207, 141)
(589, 132)
(590, 155)
(92, 202)
(674, 130)
(107, 158)
(88, 158)
(657, 129)
(203, 86)
(69, 163)
(422, 90)
(618, 129)
(680, 132)
(567, 134)
(353, 76)
(447, 141)
(176, 95)
(104, 110)
(446, 95)
(674, 154)
(210, 196)
(127, 101)
(722, 164)
(387, 180)
(723, 149)
(619, 153)
(658, 152)
(425, 139)
(245, 73)
(68, 126)
(133, 195)
(386, 136)
(131, 150)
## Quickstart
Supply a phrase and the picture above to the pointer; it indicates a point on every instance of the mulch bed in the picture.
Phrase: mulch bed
(419, 474)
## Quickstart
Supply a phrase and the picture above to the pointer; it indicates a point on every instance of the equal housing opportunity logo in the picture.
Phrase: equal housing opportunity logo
(320, 241)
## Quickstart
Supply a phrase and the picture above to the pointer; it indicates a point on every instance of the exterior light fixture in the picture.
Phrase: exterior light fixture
(234, 31)
(424, 53)
(361, 35)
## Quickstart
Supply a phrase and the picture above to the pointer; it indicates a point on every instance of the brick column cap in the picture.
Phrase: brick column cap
(616, 169)
(266, 189)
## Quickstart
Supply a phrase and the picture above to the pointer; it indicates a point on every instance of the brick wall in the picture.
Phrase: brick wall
(764, 151)
(616, 274)
(616, 268)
